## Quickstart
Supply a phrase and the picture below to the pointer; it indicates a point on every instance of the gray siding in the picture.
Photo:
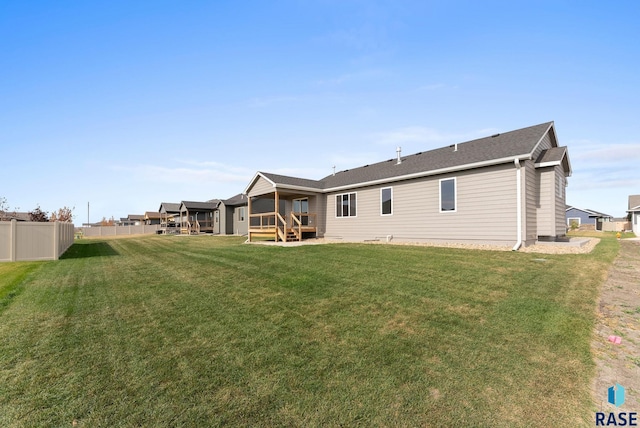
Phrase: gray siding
(532, 201)
(546, 210)
(261, 187)
(560, 203)
(240, 227)
(485, 210)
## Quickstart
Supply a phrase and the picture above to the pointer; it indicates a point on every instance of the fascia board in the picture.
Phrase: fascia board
(254, 179)
(542, 138)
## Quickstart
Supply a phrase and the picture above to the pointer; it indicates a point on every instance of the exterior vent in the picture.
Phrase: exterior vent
(399, 152)
(495, 135)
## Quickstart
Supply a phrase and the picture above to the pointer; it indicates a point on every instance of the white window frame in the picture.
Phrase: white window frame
(335, 210)
(570, 219)
(381, 201)
(455, 195)
(242, 214)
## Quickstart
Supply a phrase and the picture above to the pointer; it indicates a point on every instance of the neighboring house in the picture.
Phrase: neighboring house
(232, 216)
(132, 220)
(8, 216)
(152, 217)
(506, 189)
(634, 210)
(169, 215)
(197, 217)
(586, 218)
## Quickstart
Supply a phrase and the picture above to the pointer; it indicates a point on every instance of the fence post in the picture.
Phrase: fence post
(56, 239)
(13, 238)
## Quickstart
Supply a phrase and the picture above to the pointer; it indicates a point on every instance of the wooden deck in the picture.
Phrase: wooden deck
(273, 225)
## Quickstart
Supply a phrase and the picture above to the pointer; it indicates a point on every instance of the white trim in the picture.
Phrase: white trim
(428, 173)
(545, 164)
(335, 210)
(455, 195)
(254, 179)
(391, 189)
(544, 135)
(518, 244)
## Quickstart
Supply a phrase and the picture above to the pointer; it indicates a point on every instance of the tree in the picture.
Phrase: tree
(110, 222)
(64, 214)
(38, 215)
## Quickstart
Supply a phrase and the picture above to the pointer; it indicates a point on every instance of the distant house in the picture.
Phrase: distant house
(586, 218)
(152, 217)
(8, 216)
(217, 216)
(634, 210)
(506, 189)
(197, 217)
(169, 215)
(134, 220)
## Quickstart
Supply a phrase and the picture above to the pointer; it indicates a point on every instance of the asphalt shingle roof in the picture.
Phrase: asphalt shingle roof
(634, 201)
(499, 146)
(239, 199)
(193, 205)
(554, 154)
(170, 207)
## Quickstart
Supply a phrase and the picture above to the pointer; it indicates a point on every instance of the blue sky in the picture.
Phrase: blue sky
(128, 104)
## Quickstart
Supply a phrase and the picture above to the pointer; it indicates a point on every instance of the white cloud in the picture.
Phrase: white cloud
(212, 173)
(608, 153)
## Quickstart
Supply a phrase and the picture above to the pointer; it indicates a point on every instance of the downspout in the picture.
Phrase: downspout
(518, 205)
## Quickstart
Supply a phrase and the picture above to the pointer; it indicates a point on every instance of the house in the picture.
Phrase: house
(586, 219)
(634, 210)
(197, 217)
(152, 217)
(233, 219)
(506, 189)
(17, 216)
(169, 216)
(132, 220)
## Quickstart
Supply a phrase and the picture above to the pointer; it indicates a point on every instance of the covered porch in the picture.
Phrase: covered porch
(283, 216)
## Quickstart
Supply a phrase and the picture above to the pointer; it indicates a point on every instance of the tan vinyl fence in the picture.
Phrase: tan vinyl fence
(616, 226)
(27, 241)
(143, 229)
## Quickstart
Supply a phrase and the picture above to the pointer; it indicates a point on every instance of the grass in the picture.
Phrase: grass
(204, 331)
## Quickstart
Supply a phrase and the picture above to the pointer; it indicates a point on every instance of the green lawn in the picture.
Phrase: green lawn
(206, 331)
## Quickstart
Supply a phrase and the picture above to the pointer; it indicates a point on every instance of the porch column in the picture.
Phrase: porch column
(276, 204)
(248, 217)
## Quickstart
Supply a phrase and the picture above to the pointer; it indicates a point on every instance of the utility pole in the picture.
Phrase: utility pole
(88, 222)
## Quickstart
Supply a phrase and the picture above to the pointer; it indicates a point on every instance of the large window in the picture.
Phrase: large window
(448, 195)
(346, 205)
(386, 201)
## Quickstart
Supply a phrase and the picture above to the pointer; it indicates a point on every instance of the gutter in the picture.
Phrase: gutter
(516, 162)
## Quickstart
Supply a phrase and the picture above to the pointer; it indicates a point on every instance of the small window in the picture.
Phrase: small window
(241, 214)
(346, 205)
(386, 201)
(448, 195)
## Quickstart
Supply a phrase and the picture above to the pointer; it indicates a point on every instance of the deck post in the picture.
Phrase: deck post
(248, 217)
(276, 210)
